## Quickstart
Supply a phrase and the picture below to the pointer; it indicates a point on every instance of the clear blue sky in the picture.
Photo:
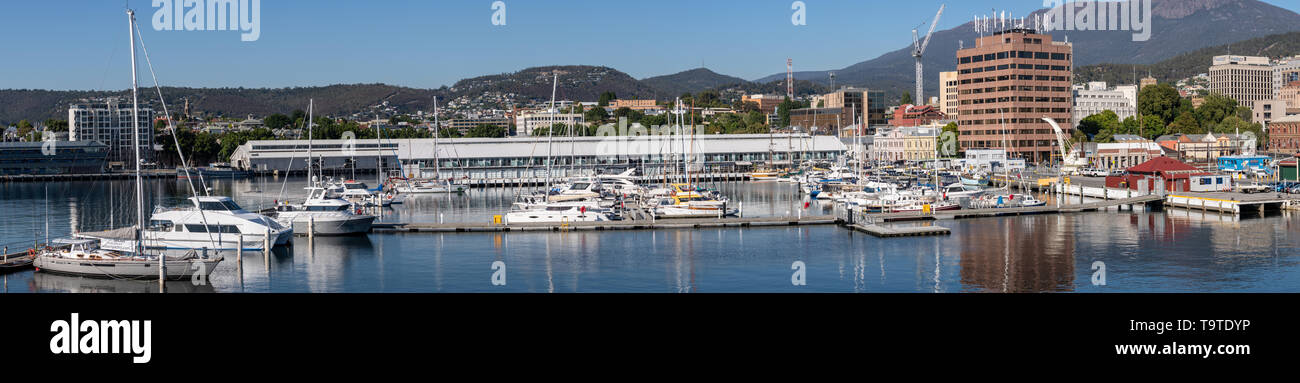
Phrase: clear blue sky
(81, 44)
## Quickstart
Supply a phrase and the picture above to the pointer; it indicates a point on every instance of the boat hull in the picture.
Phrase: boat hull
(334, 226)
(128, 269)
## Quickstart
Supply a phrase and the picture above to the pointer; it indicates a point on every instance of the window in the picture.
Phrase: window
(1042, 55)
(219, 206)
(229, 229)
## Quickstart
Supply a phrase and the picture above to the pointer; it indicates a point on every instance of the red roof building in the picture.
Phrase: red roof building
(912, 115)
(1175, 174)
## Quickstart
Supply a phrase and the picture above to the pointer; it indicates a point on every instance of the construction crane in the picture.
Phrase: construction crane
(918, 49)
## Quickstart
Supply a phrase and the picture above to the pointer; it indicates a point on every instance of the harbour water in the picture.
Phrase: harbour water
(1163, 251)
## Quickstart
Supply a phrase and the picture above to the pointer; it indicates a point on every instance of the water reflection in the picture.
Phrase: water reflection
(1024, 254)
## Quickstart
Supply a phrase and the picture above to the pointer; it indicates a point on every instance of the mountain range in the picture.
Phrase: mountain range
(1185, 33)
(1178, 26)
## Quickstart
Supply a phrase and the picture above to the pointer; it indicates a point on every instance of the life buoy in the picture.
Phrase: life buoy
(31, 252)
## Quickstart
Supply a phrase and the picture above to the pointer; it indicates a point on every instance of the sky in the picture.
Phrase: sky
(82, 44)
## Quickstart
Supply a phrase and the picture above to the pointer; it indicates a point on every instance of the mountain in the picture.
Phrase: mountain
(1178, 26)
(493, 91)
(38, 105)
(1192, 63)
(576, 82)
(691, 81)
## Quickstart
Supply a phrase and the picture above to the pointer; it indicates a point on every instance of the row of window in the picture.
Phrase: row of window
(1015, 55)
(1015, 110)
(1018, 88)
(1059, 68)
(996, 100)
(1022, 77)
(1001, 132)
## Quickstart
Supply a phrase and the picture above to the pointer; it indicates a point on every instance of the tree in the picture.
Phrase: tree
(277, 121)
(1216, 108)
(297, 117)
(1185, 123)
(655, 120)
(596, 115)
(783, 112)
(488, 131)
(907, 98)
(205, 150)
(1152, 127)
(1095, 124)
(24, 128)
(606, 97)
(1161, 100)
(448, 133)
(56, 125)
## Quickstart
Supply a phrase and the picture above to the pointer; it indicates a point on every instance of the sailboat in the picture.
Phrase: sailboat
(437, 185)
(85, 257)
(551, 207)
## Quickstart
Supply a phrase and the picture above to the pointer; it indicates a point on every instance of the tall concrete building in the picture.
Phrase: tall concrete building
(1007, 83)
(839, 109)
(1285, 72)
(948, 93)
(1243, 78)
(1097, 97)
(109, 122)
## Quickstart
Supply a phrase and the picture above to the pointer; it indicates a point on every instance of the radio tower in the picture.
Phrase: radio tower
(789, 78)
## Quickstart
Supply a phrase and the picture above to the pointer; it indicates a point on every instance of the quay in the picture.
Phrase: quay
(148, 174)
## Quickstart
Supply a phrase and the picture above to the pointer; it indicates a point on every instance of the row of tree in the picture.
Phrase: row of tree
(1164, 111)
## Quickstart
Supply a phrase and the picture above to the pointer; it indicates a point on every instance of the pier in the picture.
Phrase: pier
(658, 224)
(894, 232)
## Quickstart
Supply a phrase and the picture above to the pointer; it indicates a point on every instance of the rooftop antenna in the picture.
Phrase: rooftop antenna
(918, 50)
(832, 81)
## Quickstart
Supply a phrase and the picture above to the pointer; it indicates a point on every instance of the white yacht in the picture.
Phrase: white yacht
(430, 187)
(557, 213)
(217, 223)
(323, 214)
(85, 257)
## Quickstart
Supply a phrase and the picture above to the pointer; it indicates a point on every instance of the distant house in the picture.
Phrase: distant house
(11, 133)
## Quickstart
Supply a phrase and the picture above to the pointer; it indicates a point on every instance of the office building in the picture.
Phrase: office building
(1246, 79)
(948, 93)
(1097, 97)
(1007, 83)
(109, 122)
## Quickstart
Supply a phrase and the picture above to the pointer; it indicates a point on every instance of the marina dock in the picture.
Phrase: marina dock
(893, 232)
(660, 224)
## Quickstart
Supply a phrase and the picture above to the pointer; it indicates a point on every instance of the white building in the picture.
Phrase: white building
(1243, 78)
(109, 122)
(516, 157)
(1096, 97)
(525, 123)
(989, 160)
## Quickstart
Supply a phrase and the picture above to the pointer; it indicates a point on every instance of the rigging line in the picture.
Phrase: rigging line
(175, 136)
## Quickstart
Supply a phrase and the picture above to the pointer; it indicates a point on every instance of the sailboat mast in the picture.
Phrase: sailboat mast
(311, 106)
(437, 133)
(135, 134)
(550, 134)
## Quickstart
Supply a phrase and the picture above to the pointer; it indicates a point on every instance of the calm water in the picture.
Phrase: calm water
(1173, 251)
